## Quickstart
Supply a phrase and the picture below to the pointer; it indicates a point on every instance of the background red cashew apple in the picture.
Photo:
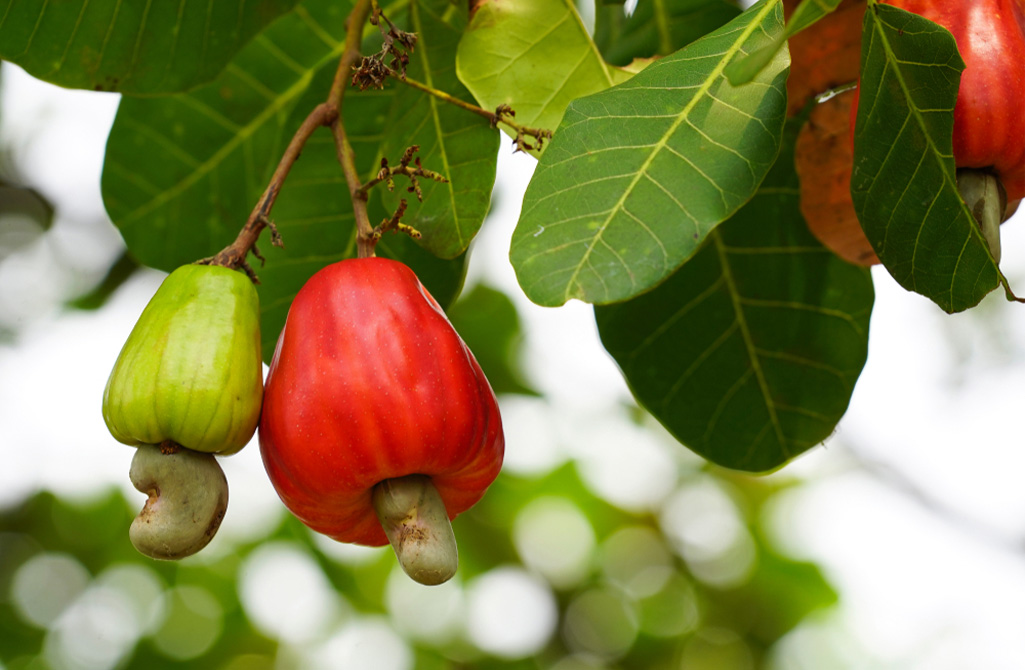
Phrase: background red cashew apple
(989, 119)
(824, 159)
(370, 383)
(989, 116)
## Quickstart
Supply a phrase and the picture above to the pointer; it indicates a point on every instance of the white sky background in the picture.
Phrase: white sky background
(938, 586)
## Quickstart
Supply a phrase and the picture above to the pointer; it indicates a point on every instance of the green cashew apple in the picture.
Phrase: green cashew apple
(191, 371)
(188, 384)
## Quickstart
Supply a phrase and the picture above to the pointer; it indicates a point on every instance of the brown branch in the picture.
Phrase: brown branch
(346, 156)
(365, 240)
(234, 255)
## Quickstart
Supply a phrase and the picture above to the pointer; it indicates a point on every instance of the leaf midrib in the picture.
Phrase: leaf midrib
(572, 9)
(698, 94)
(414, 11)
(749, 345)
(665, 41)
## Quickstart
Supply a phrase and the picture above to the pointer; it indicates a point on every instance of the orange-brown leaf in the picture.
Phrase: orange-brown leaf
(824, 160)
(826, 55)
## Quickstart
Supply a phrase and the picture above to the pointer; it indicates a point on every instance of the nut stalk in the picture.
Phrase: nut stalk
(414, 518)
(986, 200)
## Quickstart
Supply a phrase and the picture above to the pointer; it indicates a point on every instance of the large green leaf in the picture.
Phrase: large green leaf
(183, 172)
(638, 175)
(904, 186)
(535, 55)
(749, 353)
(460, 145)
(489, 324)
(657, 27)
(807, 13)
(131, 47)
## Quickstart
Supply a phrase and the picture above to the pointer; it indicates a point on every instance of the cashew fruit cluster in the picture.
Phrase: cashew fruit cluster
(378, 424)
(187, 384)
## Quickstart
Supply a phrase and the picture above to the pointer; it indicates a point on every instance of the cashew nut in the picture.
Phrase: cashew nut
(188, 495)
(414, 518)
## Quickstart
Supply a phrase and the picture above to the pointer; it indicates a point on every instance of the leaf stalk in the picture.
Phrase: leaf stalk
(504, 114)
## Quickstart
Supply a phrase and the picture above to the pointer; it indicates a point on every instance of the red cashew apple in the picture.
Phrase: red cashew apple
(989, 117)
(373, 408)
(824, 159)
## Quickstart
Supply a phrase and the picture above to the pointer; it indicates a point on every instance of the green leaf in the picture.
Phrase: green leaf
(131, 47)
(657, 28)
(535, 55)
(118, 273)
(460, 145)
(749, 353)
(488, 323)
(904, 186)
(25, 214)
(183, 172)
(808, 12)
(637, 176)
(781, 594)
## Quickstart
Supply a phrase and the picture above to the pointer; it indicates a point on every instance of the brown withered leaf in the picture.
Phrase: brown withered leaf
(826, 55)
(824, 159)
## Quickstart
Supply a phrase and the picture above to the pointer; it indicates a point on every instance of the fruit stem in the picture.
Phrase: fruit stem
(414, 518)
(986, 199)
(354, 24)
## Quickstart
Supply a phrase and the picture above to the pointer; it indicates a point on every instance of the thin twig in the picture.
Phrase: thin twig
(395, 225)
(899, 481)
(387, 172)
(234, 255)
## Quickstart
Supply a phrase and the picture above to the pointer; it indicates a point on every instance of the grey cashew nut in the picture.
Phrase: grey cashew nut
(413, 516)
(188, 496)
(986, 199)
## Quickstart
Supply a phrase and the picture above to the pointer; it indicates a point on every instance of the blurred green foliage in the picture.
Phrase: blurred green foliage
(640, 594)
(487, 321)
